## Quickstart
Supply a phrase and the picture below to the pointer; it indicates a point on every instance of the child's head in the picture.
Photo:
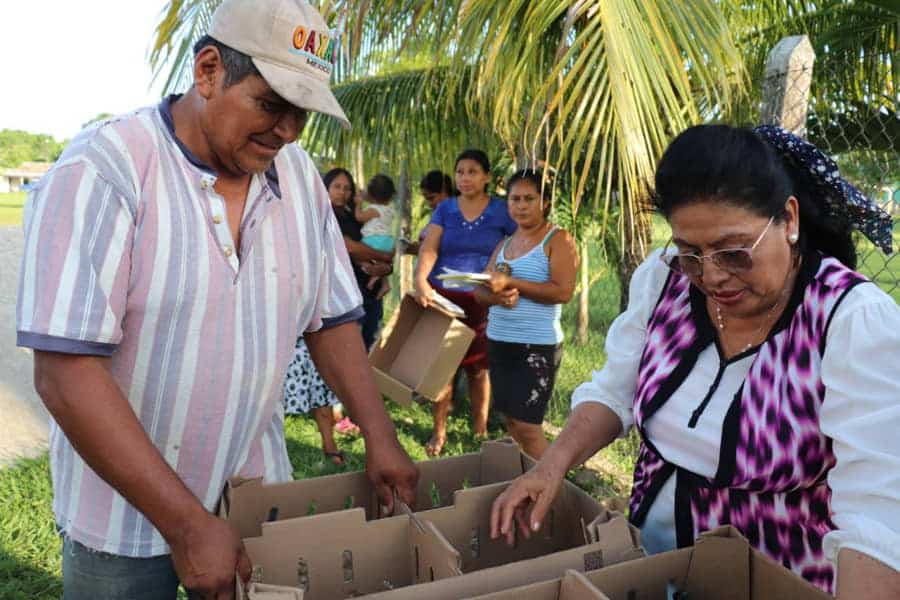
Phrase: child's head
(380, 189)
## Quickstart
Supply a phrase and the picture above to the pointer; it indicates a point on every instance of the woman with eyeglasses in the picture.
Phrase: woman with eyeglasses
(759, 369)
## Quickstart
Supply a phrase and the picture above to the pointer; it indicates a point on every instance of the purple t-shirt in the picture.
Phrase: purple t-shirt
(468, 245)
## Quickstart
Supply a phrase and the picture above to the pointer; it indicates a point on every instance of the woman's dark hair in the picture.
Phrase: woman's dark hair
(733, 165)
(237, 65)
(437, 182)
(477, 155)
(381, 189)
(330, 176)
(535, 178)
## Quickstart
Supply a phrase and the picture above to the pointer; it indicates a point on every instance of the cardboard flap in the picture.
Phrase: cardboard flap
(396, 390)
(730, 553)
(575, 586)
(452, 349)
(501, 460)
(435, 558)
(264, 591)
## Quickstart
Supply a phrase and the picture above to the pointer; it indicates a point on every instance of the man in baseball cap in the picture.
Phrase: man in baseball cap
(174, 255)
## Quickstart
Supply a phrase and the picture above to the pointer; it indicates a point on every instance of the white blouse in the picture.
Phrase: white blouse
(860, 413)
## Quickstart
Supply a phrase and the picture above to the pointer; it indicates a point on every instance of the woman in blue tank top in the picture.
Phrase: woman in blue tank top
(532, 276)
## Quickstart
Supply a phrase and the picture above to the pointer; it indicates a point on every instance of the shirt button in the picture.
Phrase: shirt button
(217, 219)
(228, 251)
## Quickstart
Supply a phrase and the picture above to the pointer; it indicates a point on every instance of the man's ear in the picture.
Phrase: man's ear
(208, 69)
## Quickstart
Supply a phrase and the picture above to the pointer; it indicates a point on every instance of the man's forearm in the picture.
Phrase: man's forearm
(340, 357)
(88, 405)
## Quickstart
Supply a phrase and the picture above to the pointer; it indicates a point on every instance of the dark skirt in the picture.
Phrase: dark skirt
(522, 378)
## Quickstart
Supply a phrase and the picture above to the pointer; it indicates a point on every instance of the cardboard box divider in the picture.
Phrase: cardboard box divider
(340, 554)
(418, 352)
(264, 591)
(720, 566)
(574, 585)
(247, 503)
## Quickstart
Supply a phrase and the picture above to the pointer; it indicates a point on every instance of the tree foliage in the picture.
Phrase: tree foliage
(17, 147)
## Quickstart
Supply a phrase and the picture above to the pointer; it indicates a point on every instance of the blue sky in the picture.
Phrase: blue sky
(64, 61)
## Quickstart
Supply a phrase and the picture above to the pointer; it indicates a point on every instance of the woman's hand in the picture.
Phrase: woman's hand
(424, 293)
(498, 282)
(507, 298)
(526, 501)
(376, 268)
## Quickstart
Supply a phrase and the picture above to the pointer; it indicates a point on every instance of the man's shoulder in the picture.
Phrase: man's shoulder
(115, 147)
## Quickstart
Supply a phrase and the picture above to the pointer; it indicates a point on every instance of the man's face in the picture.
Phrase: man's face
(247, 123)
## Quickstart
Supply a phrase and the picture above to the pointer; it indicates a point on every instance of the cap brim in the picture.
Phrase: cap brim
(301, 90)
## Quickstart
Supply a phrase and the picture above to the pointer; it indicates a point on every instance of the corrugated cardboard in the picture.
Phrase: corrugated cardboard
(418, 352)
(720, 566)
(247, 503)
(573, 586)
(263, 591)
(579, 535)
(341, 555)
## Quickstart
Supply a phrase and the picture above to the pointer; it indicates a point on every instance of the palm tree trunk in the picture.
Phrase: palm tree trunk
(582, 318)
(405, 201)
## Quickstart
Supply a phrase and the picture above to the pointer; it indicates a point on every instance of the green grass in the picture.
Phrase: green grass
(11, 208)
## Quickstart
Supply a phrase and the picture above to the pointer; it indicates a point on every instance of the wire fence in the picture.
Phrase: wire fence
(864, 140)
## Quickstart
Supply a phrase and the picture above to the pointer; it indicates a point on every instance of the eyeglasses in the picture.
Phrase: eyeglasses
(733, 260)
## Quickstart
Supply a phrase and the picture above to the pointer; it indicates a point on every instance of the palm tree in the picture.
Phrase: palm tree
(591, 89)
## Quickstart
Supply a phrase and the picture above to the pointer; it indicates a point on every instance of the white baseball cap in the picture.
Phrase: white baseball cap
(289, 43)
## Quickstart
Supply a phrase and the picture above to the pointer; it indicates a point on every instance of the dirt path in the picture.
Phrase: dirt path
(23, 419)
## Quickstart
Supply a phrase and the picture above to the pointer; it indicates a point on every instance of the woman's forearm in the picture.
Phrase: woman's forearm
(589, 428)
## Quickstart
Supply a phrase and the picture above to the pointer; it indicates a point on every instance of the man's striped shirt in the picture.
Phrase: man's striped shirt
(128, 254)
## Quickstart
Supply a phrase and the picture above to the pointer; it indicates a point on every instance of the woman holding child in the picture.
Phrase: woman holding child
(532, 276)
(462, 234)
(758, 367)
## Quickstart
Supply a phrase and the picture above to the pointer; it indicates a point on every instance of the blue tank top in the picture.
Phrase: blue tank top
(528, 322)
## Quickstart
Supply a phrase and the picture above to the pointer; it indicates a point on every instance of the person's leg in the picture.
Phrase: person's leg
(480, 397)
(92, 575)
(371, 320)
(325, 422)
(529, 436)
(440, 411)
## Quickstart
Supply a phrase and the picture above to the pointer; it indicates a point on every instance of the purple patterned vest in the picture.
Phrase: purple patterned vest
(771, 480)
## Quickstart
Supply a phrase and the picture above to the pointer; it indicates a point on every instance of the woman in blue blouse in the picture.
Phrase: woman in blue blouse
(462, 235)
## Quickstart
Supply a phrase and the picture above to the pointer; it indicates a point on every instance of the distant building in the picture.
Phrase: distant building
(23, 176)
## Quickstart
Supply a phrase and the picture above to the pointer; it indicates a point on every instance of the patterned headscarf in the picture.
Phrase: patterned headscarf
(842, 200)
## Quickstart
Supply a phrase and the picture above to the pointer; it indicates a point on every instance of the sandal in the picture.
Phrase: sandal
(435, 446)
(338, 459)
(346, 427)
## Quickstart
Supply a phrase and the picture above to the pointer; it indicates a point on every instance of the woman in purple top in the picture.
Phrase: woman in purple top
(462, 235)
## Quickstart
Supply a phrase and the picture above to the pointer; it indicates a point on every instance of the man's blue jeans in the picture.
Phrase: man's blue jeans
(92, 575)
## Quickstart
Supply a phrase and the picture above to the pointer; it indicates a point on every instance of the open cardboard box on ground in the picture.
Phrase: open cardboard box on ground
(577, 534)
(247, 503)
(418, 352)
(720, 566)
(340, 555)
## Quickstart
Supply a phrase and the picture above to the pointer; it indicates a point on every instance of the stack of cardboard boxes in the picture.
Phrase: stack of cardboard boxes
(325, 539)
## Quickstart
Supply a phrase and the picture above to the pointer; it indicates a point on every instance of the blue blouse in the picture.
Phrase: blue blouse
(468, 245)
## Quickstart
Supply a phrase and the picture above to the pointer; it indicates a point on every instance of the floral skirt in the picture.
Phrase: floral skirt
(304, 388)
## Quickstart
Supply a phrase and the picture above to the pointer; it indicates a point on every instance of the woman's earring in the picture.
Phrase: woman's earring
(793, 238)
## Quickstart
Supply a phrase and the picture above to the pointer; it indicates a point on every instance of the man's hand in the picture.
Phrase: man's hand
(389, 468)
(207, 554)
(374, 268)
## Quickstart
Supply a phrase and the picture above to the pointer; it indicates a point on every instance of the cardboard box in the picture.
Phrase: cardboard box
(247, 503)
(573, 586)
(418, 352)
(341, 555)
(720, 566)
(578, 534)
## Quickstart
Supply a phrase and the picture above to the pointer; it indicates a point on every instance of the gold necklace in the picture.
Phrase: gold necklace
(721, 322)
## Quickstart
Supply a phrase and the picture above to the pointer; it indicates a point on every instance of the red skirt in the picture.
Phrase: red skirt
(476, 318)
